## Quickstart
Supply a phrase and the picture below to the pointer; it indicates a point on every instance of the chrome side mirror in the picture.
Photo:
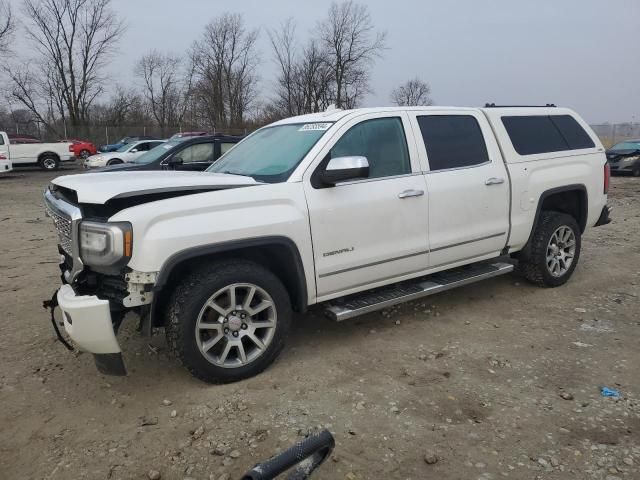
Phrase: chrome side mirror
(340, 169)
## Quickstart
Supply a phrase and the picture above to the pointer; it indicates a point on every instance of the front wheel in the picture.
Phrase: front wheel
(554, 251)
(228, 321)
(84, 154)
(115, 161)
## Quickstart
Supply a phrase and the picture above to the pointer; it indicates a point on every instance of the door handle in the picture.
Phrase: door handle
(410, 193)
(494, 181)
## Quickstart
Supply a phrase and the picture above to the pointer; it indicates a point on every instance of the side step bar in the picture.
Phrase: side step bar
(384, 297)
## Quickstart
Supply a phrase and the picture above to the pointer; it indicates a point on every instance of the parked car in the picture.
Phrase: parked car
(624, 157)
(127, 153)
(354, 210)
(27, 152)
(187, 153)
(187, 134)
(81, 148)
(122, 142)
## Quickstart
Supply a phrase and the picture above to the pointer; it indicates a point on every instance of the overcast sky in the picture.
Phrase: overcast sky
(584, 54)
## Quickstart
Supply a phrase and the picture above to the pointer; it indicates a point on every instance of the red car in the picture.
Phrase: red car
(81, 148)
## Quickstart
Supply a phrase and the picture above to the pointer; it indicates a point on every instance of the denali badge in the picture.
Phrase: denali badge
(336, 252)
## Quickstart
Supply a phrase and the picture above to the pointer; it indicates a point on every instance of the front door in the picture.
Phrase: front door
(367, 232)
(468, 186)
(196, 157)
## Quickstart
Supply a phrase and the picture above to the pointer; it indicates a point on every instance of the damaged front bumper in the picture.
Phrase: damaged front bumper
(87, 321)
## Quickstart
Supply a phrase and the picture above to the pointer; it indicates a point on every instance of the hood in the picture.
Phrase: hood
(613, 154)
(125, 167)
(104, 155)
(99, 188)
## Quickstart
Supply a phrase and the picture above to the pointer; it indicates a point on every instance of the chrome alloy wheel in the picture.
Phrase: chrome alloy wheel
(49, 163)
(561, 250)
(236, 325)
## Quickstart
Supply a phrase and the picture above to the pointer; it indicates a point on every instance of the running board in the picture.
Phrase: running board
(384, 297)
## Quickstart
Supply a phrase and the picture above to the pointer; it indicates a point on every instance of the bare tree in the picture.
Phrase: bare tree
(225, 60)
(352, 43)
(304, 82)
(74, 39)
(7, 26)
(284, 50)
(411, 93)
(167, 86)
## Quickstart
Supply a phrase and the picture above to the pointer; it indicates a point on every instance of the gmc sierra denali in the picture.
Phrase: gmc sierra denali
(355, 210)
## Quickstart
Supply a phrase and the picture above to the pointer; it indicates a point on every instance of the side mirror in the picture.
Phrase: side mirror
(340, 169)
(175, 161)
(133, 150)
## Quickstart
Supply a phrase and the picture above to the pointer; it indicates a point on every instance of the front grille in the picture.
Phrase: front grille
(66, 218)
(63, 227)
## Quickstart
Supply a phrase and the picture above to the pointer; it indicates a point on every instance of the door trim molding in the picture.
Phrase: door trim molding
(468, 241)
(402, 257)
(372, 264)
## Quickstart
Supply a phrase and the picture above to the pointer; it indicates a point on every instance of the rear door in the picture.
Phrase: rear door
(467, 183)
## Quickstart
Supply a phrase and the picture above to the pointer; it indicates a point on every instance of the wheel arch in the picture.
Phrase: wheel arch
(569, 199)
(277, 253)
(48, 154)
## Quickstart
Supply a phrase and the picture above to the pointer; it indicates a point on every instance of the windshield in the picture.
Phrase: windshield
(626, 146)
(124, 148)
(156, 152)
(272, 153)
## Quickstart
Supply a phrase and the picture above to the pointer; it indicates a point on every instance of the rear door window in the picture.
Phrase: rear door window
(452, 141)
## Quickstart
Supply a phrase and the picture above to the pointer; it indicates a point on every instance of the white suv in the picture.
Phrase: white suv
(355, 210)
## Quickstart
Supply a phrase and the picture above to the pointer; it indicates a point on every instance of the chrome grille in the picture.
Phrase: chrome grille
(66, 218)
(63, 227)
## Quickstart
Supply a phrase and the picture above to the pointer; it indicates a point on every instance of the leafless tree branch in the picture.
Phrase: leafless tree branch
(412, 93)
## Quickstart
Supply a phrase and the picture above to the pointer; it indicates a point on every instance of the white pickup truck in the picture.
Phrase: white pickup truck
(354, 210)
(46, 155)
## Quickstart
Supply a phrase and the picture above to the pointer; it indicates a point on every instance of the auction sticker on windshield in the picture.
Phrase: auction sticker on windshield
(314, 126)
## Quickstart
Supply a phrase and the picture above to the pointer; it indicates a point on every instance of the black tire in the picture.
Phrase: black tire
(115, 161)
(533, 261)
(49, 163)
(194, 292)
(636, 172)
(84, 154)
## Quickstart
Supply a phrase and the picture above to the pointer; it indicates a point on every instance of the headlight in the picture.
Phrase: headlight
(105, 244)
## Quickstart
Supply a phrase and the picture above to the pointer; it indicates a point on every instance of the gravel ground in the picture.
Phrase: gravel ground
(498, 379)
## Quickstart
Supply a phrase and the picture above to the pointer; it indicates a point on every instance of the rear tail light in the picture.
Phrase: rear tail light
(71, 148)
(607, 177)
(2, 157)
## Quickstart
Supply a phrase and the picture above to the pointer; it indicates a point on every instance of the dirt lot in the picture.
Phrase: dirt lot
(500, 379)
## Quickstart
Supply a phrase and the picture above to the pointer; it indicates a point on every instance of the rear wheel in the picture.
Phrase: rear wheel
(49, 162)
(228, 321)
(554, 251)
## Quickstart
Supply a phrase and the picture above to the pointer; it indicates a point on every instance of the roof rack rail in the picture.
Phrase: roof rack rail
(493, 105)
